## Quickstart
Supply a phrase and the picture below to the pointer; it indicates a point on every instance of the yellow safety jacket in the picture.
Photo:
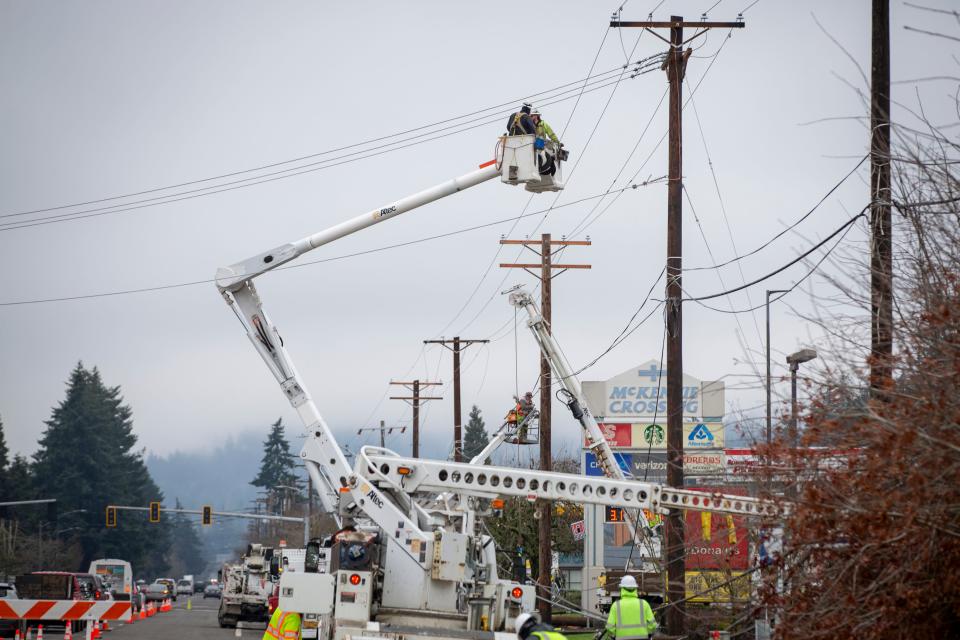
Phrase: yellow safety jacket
(547, 635)
(284, 625)
(631, 618)
(545, 131)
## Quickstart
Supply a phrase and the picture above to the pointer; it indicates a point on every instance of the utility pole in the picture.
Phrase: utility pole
(383, 429)
(546, 275)
(675, 65)
(881, 245)
(415, 401)
(458, 346)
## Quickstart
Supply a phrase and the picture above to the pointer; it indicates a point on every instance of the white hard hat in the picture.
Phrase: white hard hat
(525, 618)
(628, 582)
(535, 112)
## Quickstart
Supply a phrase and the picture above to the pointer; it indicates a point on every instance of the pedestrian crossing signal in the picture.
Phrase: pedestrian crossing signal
(111, 517)
(154, 512)
(207, 517)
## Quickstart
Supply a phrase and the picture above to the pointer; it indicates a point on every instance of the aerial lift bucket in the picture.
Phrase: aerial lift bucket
(526, 432)
(519, 160)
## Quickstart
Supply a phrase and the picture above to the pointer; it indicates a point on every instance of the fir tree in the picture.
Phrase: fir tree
(475, 438)
(86, 461)
(277, 466)
(4, 462)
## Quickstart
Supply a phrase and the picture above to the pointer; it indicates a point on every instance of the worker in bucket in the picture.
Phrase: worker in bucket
(631, 617)
(528, 625)
(547, 152)
(520, 122)
(284, 625)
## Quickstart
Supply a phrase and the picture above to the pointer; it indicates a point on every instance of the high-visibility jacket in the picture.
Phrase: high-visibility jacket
(631, 618)
(545, 131)
(547, 635)
(284, 625)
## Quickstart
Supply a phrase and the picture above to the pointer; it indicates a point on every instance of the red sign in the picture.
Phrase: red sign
(717, 540)
(617, 435)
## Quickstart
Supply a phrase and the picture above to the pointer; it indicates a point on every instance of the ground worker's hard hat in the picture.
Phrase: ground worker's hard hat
(628, 582)
(535, 112)
(526, 620)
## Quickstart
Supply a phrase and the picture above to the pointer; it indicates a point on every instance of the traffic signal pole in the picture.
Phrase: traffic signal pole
(206, 511)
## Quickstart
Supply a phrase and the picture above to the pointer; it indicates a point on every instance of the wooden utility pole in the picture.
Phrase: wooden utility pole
(675, 65)
(547, 248)
(383, 429)
(457, 422)
(415, 401)
(881, 245)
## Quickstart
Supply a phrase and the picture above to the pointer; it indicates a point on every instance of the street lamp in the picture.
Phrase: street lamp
(769, 428)
(795, 360)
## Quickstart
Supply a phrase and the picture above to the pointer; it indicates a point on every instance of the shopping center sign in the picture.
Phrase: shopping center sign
(641, 393)
(642, 435)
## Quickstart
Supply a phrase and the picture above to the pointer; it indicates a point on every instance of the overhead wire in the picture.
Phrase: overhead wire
(301, 264)
(261, 179)
(368, 141)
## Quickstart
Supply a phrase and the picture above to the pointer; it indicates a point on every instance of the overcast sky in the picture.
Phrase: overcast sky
(103, 99)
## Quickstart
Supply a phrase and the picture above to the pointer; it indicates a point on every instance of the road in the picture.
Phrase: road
(198, 623)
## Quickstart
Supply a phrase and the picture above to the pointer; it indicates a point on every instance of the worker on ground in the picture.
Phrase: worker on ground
(528, 625)
(631, 617)
(547, 156)
(284, 625)
(520, 122)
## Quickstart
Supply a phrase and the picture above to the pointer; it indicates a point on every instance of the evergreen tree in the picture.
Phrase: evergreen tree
(17, 481)
(277, 466)
(86, 461)
(475, 438)
(4, 462)
(187, 557)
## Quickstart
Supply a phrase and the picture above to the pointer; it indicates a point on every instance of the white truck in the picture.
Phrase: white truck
(412, 558)
(246, 587)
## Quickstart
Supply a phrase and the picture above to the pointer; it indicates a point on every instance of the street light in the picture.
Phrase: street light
(769, 291)
(795, 360)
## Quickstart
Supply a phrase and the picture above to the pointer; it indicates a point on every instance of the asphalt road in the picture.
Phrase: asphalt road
(198, 623)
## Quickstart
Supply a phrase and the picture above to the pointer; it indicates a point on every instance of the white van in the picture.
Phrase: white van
(116, 575)
(185, 586)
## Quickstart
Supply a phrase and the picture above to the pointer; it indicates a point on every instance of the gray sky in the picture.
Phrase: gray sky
(108, 98)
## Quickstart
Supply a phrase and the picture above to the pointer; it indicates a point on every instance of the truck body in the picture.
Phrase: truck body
(116, 575)
(246, 587)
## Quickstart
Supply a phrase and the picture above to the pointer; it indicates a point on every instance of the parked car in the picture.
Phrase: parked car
(91, 586)
(211, 591)
(185, 587)
(171, 586)
(157, 592)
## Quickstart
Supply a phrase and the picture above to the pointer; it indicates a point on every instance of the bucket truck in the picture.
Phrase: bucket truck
(411, 558)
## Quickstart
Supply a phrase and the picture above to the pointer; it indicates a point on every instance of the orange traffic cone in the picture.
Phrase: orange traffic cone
(16, 636)
(40, 632)
(96, 631)
(106, 626)
(143, 612)
(68, 631)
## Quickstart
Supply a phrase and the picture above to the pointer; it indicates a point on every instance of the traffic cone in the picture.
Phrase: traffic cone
(40, 632)
(68, 631)
(96, 631)
(106, 626)
(16, 636)
(189, 604)
(143, 612)
(29, 633)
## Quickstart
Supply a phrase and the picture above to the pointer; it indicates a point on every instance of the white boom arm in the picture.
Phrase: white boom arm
(323, 457)
(569, 381)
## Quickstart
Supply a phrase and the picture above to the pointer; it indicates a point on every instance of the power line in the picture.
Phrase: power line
(320, 153)
(308, 263)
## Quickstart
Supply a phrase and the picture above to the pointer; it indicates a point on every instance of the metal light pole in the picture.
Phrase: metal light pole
(769, 420)
(795, 360)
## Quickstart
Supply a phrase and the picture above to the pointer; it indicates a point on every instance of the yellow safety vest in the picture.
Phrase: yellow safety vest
(283, 625)
(631, 618)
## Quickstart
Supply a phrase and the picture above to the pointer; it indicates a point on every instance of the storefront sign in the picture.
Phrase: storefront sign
(641, 393)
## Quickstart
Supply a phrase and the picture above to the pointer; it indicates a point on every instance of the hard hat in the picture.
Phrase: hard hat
(526, 620)
(526, 107)
(628, 582)
(528, 393)
(535, 112)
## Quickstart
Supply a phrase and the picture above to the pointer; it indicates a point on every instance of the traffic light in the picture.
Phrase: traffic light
(207, 518)
(154, 512)
(111, 517)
